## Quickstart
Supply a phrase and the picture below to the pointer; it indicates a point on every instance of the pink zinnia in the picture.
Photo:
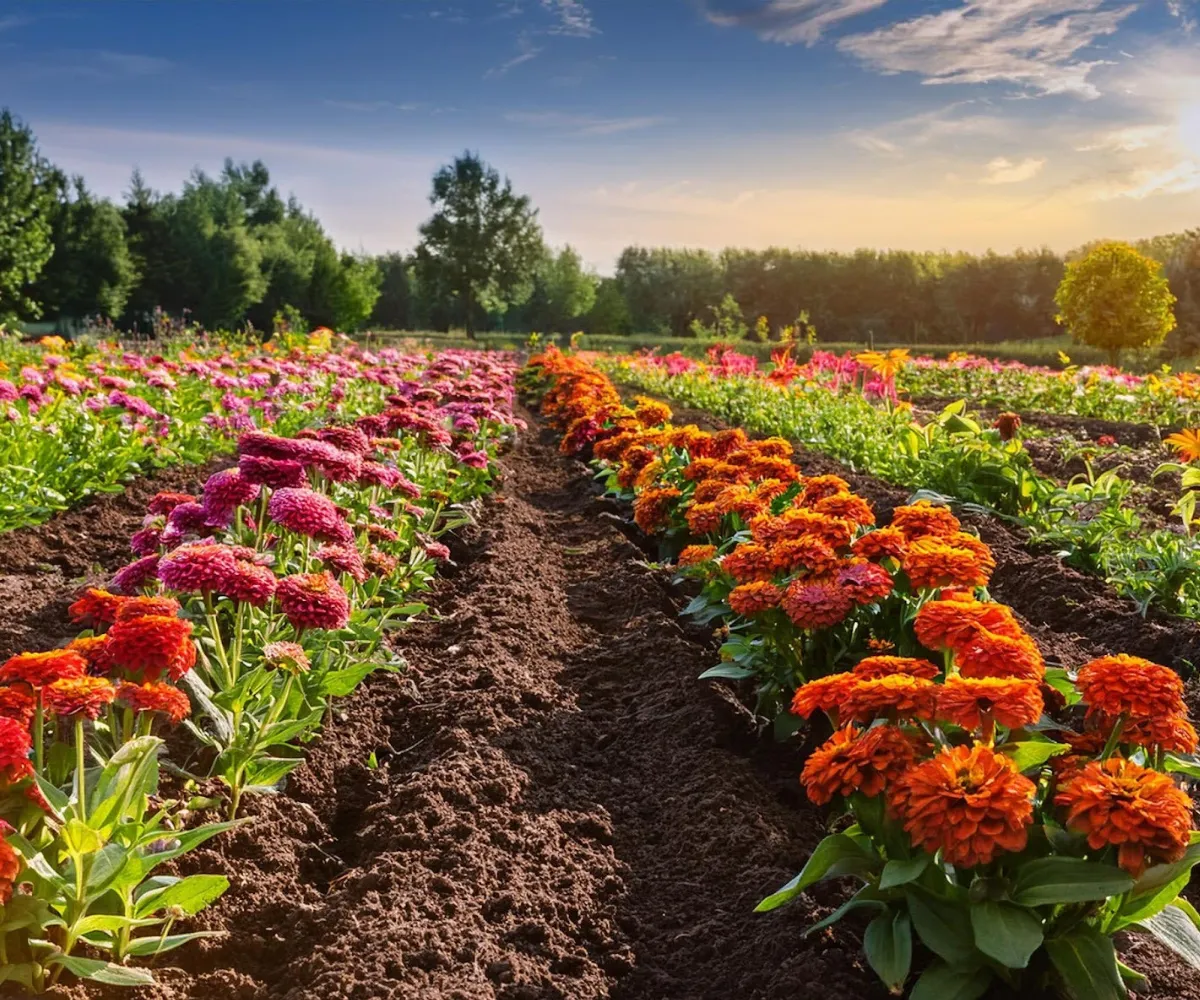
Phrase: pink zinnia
(263, 445)
(309, 513)
(187, 518)
(164, 503)
(347, 439)
(277, 473)
(377, 474)
(380, 563)
(132, 578)
(313, 600)
(344, 559)
(249, 582)
(227, 490)
(146, 541)
(438, 551)
(202, 568)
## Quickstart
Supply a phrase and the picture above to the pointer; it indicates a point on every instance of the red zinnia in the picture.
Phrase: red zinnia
(79, 696)
(883, 666)
(249, 582)
(16, 703)
(816, 603)
(40, 669)
(853, 761)
(15, 746)
(135, 607)
(156, 697)
(344, 559)
(153, 645)
(95, 607)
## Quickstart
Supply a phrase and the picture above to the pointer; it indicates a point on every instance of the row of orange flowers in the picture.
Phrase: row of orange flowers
(948, 727)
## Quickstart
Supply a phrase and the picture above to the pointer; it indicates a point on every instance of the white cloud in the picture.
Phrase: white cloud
(526, 51)
(1004, 171)
(371, 106)
(950, 122)
(581, 124)
(1033, 43)
(573, 18)
(1179, 9)
(791, 21)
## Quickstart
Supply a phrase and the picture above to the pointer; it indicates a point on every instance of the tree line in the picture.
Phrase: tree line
(230, 251)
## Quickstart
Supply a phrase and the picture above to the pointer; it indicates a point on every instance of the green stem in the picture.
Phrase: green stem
(1114, 737)
(80, 760)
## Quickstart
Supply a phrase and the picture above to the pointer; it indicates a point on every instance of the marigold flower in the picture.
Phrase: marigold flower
(1133, 808)
(1128, 685)
(893, 696)
(865, 582)
(313, 600)
(968, 802)
(708, 491)
(882, 543)
(286, 656)
(652, 509)
(135, 607)
(15, 747)
(847, 507)
(931, 562)
(751, 598)
(164, 503)
(73, 697)
(153, 645)
(854, 761)
(165, 699)
(94, 649)
(749, 562)
(1186, 444)
(947, 624)
(95, 607)
(343, 559)
(132, 578)
(873, 667)
(703, 518)
(968, 701)
(825, 694)
(307, 512)
(42, 669)
(16, 703)
(989, 654)
(694, 555)
(817, 488)
(816, 603)
(922, 518)
(275, 473)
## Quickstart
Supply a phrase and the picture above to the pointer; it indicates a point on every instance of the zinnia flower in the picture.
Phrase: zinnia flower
(989, 654)
(10, 864)
(248, 582)
(865, 582)
(808, 552)
(1129, 685)
(1171, 734)
(847, 507)
(853, 761)
(15, 747)
(947, 624)
(135, 607)
(42, 669)
(653, 507)
(95, 607)
(882, 543)
(969, 701)
(893, 696)
(200, 568)
(313, 600)
(922, 518)
(73, 697)
(156, 697)
(164, 503)
(275, 473)
(874, 667)
(703, 518)
(16, 703)
(286, 656)
(817, 488)
(694, 555)
(133, 577)
(748, 562)
(382, 564)
(751, 598)
(227, 490)
(307, 512)
(1008, 424)
(1186, 444)
(825, 694)
(347, 439)
(153, 645)
(816, 603)
(932, 562)
(968, 802)
(1135, 809)
(94, 649)
(344, 559)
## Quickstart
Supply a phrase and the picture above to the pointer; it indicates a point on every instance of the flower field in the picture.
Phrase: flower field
(352, 681)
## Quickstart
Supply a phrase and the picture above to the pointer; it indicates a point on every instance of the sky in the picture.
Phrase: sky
(825, 124)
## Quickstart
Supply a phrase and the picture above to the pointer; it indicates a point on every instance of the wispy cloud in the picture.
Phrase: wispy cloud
(13, 21)
(788, 21)
(1033, 43)
(573, 18)
(1181, 11)
(582, 124)
(951, 122)
(369, 107)
(1004, 171)
(132, 64)
(526, 50)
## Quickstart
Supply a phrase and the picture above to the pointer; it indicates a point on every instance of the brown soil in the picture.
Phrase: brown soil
(42, 568)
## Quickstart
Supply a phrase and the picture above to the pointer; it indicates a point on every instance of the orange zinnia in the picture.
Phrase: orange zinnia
(1135, 809)
(882, 543)
(824, 694)
(1186, 443)
(893, 696)
(650, 412)
(749, 562)
(16, 703)
(806, 552)
(135, 607)
(156, 697)
(847, 507)
(73, 697)
(1172, 734)
(699, 469)
(709, 490)
(989, 654)
(816, 603)
(694, 555)
(946, 624)
(774, 447)
(40, 669)
(96, 607)
(773, 468)
(817, 488)
(751, 598)
(874, 667)
(1129, 685)
(703, 518)
(968, 802)
(94, 649)
(153, 645)
(653, 508)
(923, 518)
(970, 702)
(853, 761)
(933, 562)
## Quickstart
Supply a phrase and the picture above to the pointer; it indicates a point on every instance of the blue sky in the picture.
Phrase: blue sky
(926, 124)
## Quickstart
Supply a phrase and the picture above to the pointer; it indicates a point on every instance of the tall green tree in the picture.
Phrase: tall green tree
(483, 242)
(28, 187)
(394, 307)
(564, 292)
(610, 312)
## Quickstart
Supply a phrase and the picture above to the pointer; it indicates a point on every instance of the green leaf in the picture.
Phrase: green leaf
(1087, 963)
(888, 944)
(153, 945)
(191, 894)
(1067, 880)
(1060, 680)
(1131, 975)
(1174, 928)
(943, 927)
(80, 838)
(726, 671)
(868, 897)
(1181, 764)
(102, 972)
(340, 683)
(835, 855)
(1009, 934)
(1029, 755)
(20, 973)
(943, 982)
(902, 872)
(106, 866)
(108, 923)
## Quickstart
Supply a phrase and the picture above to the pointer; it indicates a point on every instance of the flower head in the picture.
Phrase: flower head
(882, 543)
(313, 600)
(968, 701)
(1008, 424)
(41, 669)
(164, 503)
(854, 761)
(892, 696)
(307, 512)
(344, 559)
(16, 703)
(825, 694)
(1129, 685)
(694, 555)
(816, 603)
(969, 802)
(990, 654)
(198, 568)
(933, 561)
(135, 607)
(94, 649)
(1170, 733)
(808, 552)
(132, 578)
(275, 473)
(652, 509)
(165, 699)
(286, 656)
(1186, 444)
(151, 646)
(874, 667)
(1135, 809)
(747, 562)
(865, 582)
(15, 746)
(227, 490)
(95, 607)
(248, 582)
(846, 507)
(73, 697)
(817, 488)
(752, 598)
(923, 518)
(947, 624)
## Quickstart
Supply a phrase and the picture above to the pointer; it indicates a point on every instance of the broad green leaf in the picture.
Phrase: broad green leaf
(943, 982)
(1031, 754)
(943, 927)
(340, 683)
(80, 838)
(888, 944)
(191, 894)
(1087, 964)
(1067, 880)
(1010, 934)
(902, 872)
(106, 866)
(726, 671)
(102, 972)
(108, 923)
(866, 898)
(1174, 928)
(21, 973)
(835, 855)
(154, 945)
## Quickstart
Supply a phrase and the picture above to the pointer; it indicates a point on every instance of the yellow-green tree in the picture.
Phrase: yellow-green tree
(1115, 298)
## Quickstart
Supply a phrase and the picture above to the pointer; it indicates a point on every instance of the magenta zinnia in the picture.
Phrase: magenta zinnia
(313, 600)
(307, 512)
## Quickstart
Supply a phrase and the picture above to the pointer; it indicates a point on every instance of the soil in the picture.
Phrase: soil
(44, 567)
(547, 805)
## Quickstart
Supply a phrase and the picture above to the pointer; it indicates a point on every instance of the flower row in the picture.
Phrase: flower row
(1004, 817)
(247, 609)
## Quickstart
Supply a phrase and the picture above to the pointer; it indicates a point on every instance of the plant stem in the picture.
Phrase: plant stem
(80, 759)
